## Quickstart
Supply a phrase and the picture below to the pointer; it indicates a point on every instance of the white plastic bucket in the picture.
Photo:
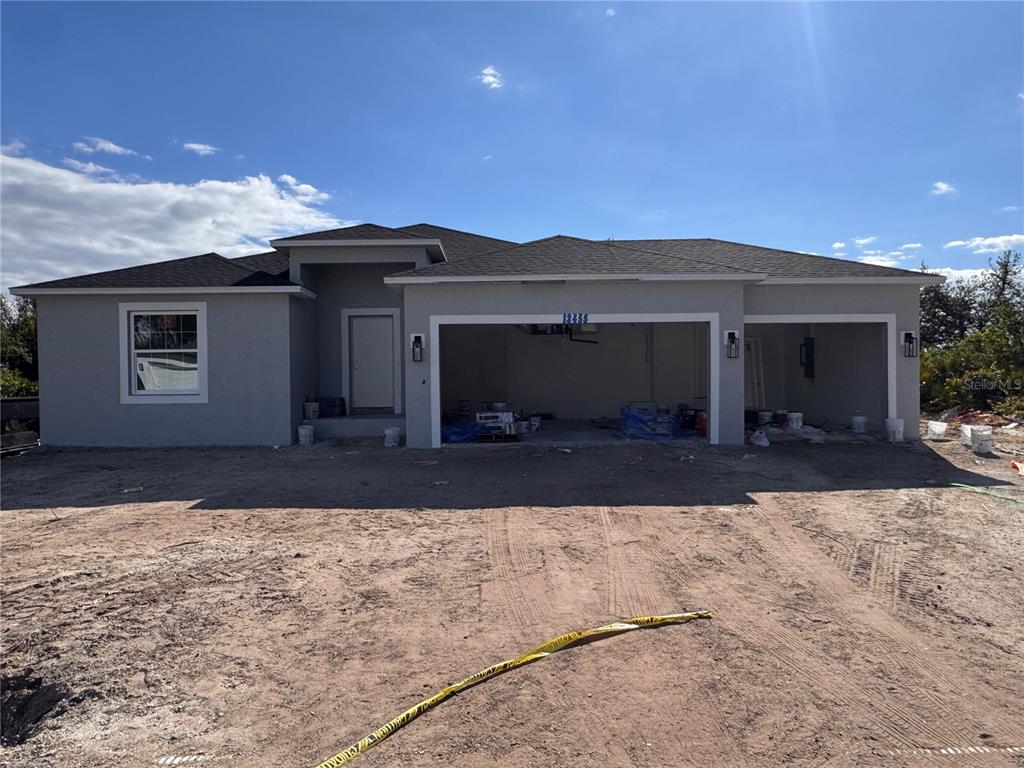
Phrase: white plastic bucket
(894, 429)
(763, 418)
(534, 423)
(981, 439)
(860, 424)
(936, 430)
(795, 420)
(392, 436)
(305, 434)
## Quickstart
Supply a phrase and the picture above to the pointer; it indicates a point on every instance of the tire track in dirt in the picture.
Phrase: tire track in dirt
(787, 647)
(938, 724)
(899, 645)
(632, 591)
(520, 574)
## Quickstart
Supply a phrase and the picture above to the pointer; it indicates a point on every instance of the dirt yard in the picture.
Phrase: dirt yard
(262, 607)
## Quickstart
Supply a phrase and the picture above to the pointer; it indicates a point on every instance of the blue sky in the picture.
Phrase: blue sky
(795, 125)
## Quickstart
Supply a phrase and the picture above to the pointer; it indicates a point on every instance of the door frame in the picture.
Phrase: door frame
(714, 352)
(346, 364)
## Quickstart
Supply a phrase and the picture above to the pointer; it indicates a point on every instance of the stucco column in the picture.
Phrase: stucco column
(730, 377)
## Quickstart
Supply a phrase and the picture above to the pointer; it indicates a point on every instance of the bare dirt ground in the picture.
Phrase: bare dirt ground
(271, 607)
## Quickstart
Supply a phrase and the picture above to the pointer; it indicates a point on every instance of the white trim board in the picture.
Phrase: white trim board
(570, 278)
(890, 334)
(714, 352)
(292, 289)
(346, 369)
(124, 358)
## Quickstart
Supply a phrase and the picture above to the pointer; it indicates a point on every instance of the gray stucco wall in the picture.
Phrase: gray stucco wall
(423, 301)
(303, 352)
(249, 376)
(347, 286)
(902, 301)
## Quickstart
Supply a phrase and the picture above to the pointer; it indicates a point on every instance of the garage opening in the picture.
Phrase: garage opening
(829, 372)
(551, 382)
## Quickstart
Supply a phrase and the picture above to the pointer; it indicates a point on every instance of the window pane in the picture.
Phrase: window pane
(189, 340)
(168, 322)
(143, 332)
(188, 322)
(166, 371)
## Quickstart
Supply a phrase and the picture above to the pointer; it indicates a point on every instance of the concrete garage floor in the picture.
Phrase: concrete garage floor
(271, 607)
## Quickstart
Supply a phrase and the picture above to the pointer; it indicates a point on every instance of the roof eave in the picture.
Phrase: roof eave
(574, 278)
(923, 279)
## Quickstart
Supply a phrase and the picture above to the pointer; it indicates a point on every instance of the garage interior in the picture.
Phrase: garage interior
(830, 372)
(577, 378)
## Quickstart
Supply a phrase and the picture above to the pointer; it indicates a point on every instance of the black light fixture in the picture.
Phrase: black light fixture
(732, 344)
(910, 344)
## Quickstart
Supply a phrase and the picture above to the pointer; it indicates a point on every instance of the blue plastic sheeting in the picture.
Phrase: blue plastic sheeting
(461, 433)
(644, 425)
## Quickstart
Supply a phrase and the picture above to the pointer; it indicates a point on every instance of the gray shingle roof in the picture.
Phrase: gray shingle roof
(209, 270)
(563, 255)
(457, 244)
(357, 232)
(772, 261)
(271, 262)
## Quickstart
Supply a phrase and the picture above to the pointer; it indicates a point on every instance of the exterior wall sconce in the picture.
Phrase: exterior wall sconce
(732, 344)
(911, 346)
(416, 343)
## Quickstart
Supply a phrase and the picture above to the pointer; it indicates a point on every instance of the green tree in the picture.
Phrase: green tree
(19, 367)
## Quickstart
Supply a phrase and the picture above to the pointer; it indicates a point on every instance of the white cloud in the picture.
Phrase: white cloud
(839, 254)
(952, 274)
(988, 244)
(838, 245)
(200, 149)
(488, 157)
(943, 188)
(1008, 209)
(13, 147)
(610, 12)
(911, 246)
(87, 167)
(873, 253)
(491, 77)
(862, 241)
(1020, 94)
(305, 192)
(879, 260)
(94, 144)
(58, 222)
(895, 254)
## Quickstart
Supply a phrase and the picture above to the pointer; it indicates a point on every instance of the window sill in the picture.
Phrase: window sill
(199, 399)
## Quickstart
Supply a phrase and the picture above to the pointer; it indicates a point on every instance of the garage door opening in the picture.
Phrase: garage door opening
(828, 371)
(569, 383)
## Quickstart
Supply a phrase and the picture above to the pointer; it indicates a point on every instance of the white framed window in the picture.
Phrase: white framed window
(163, 352)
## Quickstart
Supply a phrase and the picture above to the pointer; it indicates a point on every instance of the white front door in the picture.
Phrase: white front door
(372, 345)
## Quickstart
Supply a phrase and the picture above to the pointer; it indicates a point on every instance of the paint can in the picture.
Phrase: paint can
(392, 436)
(981, 439)
(795, 420)
(860, 424)
(894, 430)
(311, 410)
(764, 418)
(305, 434)
(936, 430)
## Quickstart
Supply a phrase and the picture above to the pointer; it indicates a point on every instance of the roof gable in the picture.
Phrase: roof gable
(355, 232)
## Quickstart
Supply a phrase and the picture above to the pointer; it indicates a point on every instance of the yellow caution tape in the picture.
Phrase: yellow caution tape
(534, 654)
